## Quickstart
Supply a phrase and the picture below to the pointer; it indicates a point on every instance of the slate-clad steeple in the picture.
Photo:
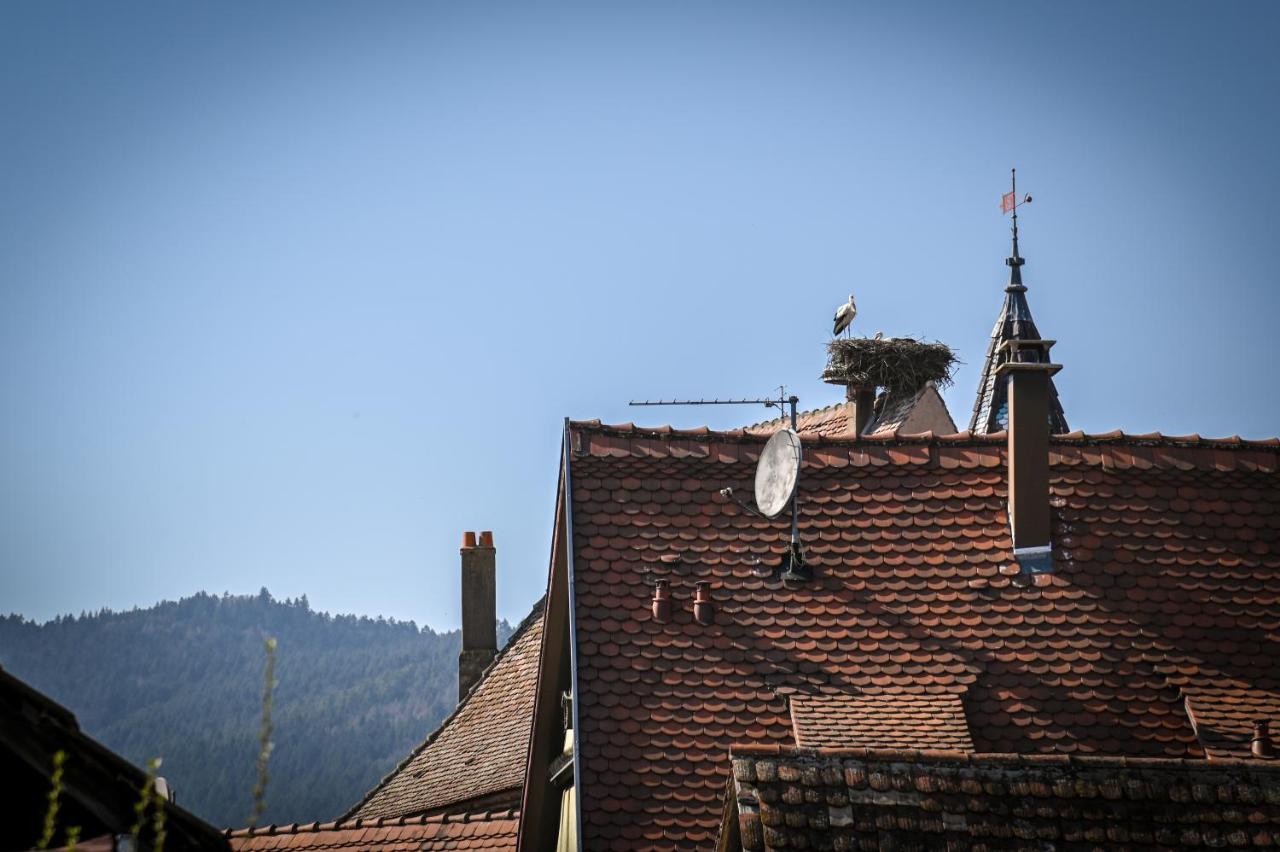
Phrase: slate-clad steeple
(991, 410)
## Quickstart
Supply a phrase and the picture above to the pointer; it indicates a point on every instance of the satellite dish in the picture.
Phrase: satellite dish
(777, 472)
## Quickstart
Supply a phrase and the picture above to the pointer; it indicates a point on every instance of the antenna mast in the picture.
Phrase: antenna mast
(780, 402)
(793, 566)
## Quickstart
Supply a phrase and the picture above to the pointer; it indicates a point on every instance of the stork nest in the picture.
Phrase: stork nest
(899, 363)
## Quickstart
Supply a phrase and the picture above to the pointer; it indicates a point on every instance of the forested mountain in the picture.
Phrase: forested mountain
(183, 681)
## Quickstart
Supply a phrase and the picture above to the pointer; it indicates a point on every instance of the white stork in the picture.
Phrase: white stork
(844, 315)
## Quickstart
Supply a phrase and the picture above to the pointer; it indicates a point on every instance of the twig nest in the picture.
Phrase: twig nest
(899, 363)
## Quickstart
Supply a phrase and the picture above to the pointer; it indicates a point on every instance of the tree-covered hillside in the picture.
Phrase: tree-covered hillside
(183, 681)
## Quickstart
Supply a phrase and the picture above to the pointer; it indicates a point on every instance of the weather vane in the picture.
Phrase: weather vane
(1009, 202)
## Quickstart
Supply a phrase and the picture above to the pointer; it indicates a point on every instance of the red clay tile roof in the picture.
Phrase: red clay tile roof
(833, 421)
(1167, 576)
(893, 412)
(879, 721)
(440, 833)
(1224, 717)
(479, 752)
(829, 799)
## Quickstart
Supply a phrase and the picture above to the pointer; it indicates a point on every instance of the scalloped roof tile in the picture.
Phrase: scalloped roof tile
(479, 751)
(1166, 554)
(880, 721)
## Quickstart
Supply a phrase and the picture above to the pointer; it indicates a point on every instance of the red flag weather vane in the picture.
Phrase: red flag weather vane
(1009, 202)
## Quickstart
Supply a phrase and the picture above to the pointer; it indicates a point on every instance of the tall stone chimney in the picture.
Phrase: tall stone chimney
(1028, 369)
(479, 609)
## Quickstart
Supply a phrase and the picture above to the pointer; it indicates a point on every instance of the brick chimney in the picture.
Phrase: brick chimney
(1028, 369)
(479, 609)
(863, 400)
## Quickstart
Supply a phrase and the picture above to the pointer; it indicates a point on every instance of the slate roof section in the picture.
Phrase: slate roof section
(831, 799)
(1166, 553)
(991, 408)
(937, 722)
(479, 752)
(465, 831)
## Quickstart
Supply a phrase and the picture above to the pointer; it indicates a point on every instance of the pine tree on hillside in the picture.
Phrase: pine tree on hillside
(183, 680)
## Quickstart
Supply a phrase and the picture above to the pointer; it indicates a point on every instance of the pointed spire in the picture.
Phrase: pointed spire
(991, 409)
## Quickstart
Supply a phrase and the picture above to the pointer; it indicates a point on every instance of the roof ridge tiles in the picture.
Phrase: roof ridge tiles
(1115, 436)
(900, 755)
(809, 412)
(535, 613)
(481, 815)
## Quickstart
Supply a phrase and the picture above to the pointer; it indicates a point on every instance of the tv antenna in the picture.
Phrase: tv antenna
(777, 473)
(780, 402)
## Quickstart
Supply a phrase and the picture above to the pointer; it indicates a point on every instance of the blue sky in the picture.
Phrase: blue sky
(295, 293)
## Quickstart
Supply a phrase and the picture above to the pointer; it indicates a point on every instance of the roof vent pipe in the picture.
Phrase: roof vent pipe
(1261, 745)
(1028, 370)
(704, 611)
(662, 601)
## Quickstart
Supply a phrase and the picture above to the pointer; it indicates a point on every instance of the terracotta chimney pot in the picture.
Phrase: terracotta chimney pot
(704, 611)
(662, 601)
(1261, 745)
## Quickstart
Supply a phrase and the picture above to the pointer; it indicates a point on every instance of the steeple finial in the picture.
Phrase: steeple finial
(1013, 326)
(1010, 202)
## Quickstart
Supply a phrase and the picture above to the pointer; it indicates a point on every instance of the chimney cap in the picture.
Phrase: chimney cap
(486, 538)
(468, 539)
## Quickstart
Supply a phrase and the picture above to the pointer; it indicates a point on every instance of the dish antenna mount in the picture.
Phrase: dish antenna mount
(777, 474)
